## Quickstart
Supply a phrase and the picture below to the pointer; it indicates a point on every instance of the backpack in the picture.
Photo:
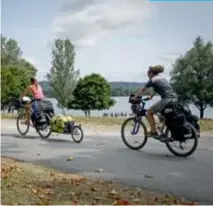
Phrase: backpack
(45, 106)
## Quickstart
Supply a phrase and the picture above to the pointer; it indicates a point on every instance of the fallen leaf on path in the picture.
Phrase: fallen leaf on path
(136, 200)
(148, 176)
(35, 191)
(122, 202)
(94, 189)
(98, 198)
(74, 202)
(19, 170)
(52, 174)
(98, 170)
(192, 203)
(113, 192)
(10, 185)
(70, 158)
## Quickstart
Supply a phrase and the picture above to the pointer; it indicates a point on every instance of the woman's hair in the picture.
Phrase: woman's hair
(156, 69)
(33, 80)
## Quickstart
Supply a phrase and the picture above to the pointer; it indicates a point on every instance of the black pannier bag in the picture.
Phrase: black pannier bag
(40, 117)
(192, 119)
(174, 120)
(175, 117)
(45, 106)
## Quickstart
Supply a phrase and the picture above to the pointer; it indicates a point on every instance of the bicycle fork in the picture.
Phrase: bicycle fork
(136, 127)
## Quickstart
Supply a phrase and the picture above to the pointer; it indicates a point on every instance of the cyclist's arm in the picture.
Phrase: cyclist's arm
(26, 91)
(142, 90)
(152, 95)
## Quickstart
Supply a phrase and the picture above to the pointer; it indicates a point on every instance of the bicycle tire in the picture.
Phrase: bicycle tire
(50, 131)
(190, 152)
(20, 115)
(81, 131)
(123, 134)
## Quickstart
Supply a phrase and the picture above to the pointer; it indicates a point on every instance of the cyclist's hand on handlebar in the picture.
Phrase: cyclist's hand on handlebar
(147, 99)
(134, 98)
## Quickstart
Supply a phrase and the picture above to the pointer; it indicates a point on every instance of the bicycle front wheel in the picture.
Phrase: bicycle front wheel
(20, 124)
(137, 131)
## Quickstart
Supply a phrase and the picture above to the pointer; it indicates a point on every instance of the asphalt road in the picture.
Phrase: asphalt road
(153, 167)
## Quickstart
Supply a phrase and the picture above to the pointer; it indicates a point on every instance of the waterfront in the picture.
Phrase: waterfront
(122, 105)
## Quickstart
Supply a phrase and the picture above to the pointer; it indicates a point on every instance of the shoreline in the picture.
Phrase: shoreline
(90, 128)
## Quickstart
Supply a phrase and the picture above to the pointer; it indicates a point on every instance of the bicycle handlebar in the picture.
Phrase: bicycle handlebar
(146, 99)
(139, 100)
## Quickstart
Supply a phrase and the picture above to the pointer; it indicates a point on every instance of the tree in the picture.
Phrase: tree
(14, 80)
(91, 93)
(10, 51)
(192, 75)
(63, 77)
(15, 71)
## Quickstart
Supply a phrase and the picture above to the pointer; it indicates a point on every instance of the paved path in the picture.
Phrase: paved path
(190, 177)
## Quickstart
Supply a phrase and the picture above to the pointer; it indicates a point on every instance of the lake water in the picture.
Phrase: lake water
(122, 105)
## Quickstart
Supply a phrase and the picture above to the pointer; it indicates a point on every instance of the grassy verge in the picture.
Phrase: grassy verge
(28, 184)
(206, 124)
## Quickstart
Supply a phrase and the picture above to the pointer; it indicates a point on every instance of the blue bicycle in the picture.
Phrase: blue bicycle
(188, 129)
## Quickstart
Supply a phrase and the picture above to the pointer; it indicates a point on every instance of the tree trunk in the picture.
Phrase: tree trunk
(87, 113)
(201, 113)
(63, 111)
(9, 109)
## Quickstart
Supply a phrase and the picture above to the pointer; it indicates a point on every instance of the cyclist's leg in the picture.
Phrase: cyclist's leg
(151, 120)
(34, 109)
(27, 113)
(154, 109)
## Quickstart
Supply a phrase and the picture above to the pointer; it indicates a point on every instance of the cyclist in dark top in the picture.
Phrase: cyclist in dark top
(160, 86)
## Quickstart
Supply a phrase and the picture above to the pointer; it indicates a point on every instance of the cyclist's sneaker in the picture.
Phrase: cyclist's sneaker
(163, 138)
(152, 134)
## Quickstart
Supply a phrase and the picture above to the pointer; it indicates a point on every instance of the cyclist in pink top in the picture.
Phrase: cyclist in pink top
(36, 90)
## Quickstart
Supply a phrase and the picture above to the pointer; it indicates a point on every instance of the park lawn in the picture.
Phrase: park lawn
(29, 184)
(108, 122)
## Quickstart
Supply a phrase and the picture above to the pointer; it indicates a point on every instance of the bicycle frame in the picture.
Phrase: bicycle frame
(140, 113)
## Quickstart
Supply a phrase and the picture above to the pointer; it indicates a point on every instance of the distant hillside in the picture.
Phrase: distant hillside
(129, 85)
(117, 88)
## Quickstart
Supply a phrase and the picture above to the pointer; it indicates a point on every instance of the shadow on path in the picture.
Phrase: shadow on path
(12, 135)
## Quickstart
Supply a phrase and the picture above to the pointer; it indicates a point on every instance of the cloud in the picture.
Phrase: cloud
(169, 58)
(86, 22)
(42, 70)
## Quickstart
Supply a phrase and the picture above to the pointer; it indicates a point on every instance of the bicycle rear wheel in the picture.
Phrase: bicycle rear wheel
(20, 122)
(191, 136)
(44, 130)
(137, 127)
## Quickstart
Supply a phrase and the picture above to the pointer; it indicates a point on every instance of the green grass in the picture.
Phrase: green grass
(206, 124)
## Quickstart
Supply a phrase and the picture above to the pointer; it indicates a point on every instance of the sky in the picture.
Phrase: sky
(117, 38)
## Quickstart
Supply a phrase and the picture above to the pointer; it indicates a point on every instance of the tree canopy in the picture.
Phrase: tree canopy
(192, 75)
(15, 70)
(63, 77)
(91, 93)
